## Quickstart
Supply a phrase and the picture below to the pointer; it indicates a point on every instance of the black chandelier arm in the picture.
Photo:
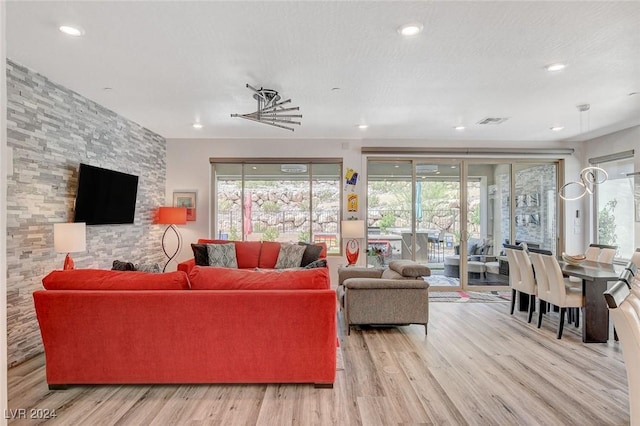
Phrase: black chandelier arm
(164, 249)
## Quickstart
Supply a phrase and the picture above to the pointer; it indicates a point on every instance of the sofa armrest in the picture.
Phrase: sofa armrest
(346, 273)
(366, 283)
(187, 265)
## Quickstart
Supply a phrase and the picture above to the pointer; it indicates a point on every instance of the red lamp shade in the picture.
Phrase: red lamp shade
(172, 216)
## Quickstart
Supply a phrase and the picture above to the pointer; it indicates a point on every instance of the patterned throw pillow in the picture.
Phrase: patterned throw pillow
(222, 255)
(320, 263)
(290, 256)
(147, 267)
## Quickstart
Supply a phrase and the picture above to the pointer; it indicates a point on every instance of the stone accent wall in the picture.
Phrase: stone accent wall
(50, 131)
(537, 181)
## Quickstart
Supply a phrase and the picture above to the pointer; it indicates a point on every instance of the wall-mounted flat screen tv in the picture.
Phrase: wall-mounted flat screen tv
(105, 197)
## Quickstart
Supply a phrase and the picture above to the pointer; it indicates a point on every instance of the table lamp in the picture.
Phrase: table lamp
(353, 229)
(171, 216)
(69, 238)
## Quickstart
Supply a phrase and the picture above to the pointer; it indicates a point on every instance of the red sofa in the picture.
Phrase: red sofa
(213, 326)
(250, 254)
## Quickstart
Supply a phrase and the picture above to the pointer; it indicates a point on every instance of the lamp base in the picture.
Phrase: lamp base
(68, 263)
(177, 250)
(352, 252)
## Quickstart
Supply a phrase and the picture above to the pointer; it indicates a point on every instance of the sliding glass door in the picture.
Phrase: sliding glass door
(455, 215)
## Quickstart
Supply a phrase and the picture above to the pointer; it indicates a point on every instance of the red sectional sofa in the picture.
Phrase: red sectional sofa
(214, 325)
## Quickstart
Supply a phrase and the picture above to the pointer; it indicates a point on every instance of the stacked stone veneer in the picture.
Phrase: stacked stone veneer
(50, 131)
(539, 179)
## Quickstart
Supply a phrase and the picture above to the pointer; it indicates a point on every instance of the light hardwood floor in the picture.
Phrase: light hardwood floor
(478, 365)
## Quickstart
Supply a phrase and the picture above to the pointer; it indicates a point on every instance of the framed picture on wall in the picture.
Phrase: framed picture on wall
(186, 199)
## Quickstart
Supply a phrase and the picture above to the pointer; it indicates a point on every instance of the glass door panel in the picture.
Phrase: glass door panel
(389, 211)
(228, 206)
(488, 223)
(437, 219)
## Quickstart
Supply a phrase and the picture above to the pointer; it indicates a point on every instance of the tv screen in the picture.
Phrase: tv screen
(105, 197)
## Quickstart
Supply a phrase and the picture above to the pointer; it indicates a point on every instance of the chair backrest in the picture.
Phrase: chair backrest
(635, 258)
(542, 280)
(624, 307)
(602, 253)
(514, 268)
(557, 290)
(592, 253)
(527, 280)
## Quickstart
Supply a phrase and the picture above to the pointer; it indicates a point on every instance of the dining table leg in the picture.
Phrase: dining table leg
(595, 325)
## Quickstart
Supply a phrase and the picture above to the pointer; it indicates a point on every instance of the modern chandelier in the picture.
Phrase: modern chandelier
(270, 110)
(589, 178)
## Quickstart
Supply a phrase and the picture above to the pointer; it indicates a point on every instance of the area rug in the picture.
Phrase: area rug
(469, 296)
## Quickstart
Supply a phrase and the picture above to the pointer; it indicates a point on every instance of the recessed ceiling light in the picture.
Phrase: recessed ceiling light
(363, 126)
(556, 128)
(410, 29)
(396, 166)
(197, 125)
(72, 31)
(335, 89)
(555, 67)
(459, 128)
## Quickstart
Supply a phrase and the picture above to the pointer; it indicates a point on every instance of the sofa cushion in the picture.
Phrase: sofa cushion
(211, 278)
(248, 253)
(102, 279)
(390, 274)
(269, 254)
(290, 256)
(409, 268)
(311, 253)
(200, 254)
(222, 255)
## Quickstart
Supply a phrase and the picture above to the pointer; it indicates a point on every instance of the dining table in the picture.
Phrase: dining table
(594, 276)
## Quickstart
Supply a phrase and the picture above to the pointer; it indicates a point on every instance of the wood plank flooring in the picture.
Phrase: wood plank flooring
(477, 366)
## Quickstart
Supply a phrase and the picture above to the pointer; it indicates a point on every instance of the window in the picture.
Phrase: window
(614, 205)
(288, 202)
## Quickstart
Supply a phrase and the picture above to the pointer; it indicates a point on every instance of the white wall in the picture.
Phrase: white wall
(188, 168)
(623, 140)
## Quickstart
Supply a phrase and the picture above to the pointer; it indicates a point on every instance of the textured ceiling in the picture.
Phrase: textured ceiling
(172, 63)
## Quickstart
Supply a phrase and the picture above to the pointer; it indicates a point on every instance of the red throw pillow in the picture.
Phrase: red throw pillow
(102, 279)
(212, 278)
(269, 254)
(248, 253)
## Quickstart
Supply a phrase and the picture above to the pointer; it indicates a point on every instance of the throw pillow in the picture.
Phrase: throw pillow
(147, 267)
(222, 255)
(119, 265)
(200, 254)
(311, 253)
(290, 256)
(320, 263)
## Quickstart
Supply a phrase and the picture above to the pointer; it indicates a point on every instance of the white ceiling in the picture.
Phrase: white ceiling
(172, 63)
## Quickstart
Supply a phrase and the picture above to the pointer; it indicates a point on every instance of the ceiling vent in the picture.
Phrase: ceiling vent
(493, 120)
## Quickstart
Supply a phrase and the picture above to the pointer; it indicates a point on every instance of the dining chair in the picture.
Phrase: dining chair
(635, 257)
(607, 253)
(527, 280)
(624, 307)
(514, 272)
(542, 282)
(561, 293)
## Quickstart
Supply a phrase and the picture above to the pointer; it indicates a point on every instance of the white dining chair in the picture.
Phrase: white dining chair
(527, 280)
(624, 307)
(542, 281)
(561, 294)
(514, 273)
